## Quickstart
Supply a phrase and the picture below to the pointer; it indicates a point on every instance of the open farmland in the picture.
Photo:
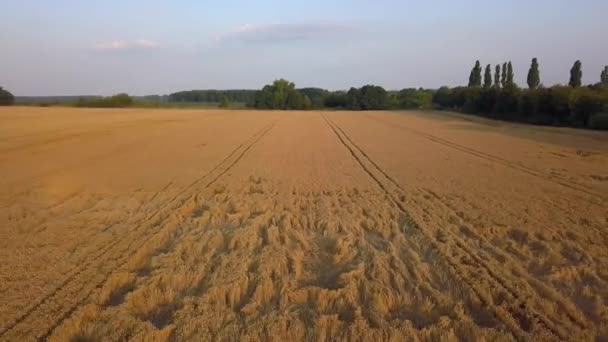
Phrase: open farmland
(266, 225)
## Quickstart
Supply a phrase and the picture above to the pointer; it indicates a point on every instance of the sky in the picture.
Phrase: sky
(70, 47)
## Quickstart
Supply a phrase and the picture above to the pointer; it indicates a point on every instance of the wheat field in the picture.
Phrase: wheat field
(208, 225)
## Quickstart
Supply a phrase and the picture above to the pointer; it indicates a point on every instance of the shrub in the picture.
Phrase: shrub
(583, 103)
(472, 100)
(599, 121)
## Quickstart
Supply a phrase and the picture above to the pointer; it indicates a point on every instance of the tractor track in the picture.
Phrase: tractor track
(101, 256)
(562, 181)
(519, 317)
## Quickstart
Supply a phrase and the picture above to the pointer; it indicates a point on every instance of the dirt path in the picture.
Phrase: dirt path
(210, 225)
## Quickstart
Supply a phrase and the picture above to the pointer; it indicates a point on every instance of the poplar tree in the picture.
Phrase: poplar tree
(497, 76)
(534, 75)
(503, 77)
(487, 78)
(576, 75)
(475, 77)
(510, 75)
(605, 76)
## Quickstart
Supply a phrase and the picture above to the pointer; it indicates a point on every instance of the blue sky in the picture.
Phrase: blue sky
(66, 47)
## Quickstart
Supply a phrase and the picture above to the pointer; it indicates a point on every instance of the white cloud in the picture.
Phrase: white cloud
(124, 45)
(275, 33)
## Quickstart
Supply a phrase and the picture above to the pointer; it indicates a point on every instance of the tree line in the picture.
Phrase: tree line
(498, 96)
(282, 94)
(214, 96)
(115, 101)
(490, 92)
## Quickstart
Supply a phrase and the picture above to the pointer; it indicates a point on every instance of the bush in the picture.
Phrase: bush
(583, 103)
(599, 121)
(472, 100)
(6, 98)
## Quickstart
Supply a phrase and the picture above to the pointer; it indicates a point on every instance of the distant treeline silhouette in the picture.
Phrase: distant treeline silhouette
(115, 101)
(498, 96)
(214, 96)
(491, 92)
(282, 94)
(493, 95)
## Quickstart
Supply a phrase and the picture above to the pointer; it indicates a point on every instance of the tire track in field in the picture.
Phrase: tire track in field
(87, 162)
(462, 243)
(602, 232)
(514, 312)
(102, 252)
(75, 134)
(516, 166)
(245, 147)
(98, 257)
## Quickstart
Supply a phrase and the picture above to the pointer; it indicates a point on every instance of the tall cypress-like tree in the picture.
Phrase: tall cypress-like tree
(475, 77)
(576, 75)
(510, 75)
(487, 77)
(605, 76)
(503, 78)
(497, 76)
(534, 75)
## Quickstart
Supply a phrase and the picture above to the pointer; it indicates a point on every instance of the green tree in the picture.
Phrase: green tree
(475, 77)
(354, 99)
(443, 97)
(487, 78)
(307, 103)
(497, 76)
(295, 100)
(281, 94)
(605, 76)
(503, 79)
(337, 99)
(369, 97)
(534, 75)
(6, 98)
(317, 96)
(510, 75)
(576, 75)
(414, 98)
(225, 103)
(583, 103)
(373, 97)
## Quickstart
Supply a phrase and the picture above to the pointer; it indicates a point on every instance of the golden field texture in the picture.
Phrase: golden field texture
(171, 225)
